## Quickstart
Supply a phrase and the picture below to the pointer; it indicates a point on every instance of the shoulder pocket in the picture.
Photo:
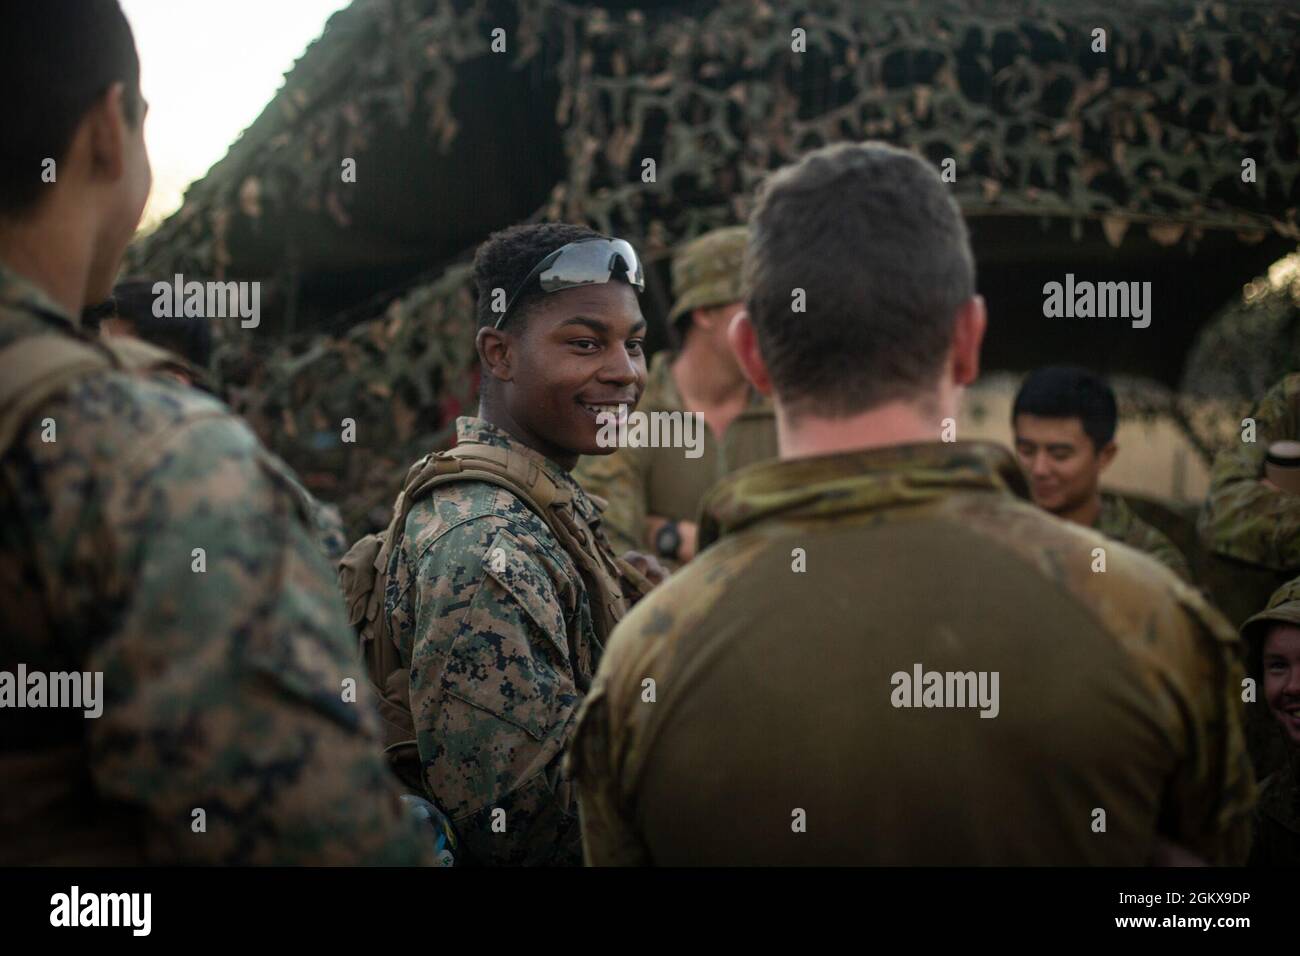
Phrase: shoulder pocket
(523, 576)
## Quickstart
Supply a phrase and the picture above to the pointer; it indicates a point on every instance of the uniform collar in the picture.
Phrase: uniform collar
(21, 294)
(857, 482)
(1114, 514)
(472, 430)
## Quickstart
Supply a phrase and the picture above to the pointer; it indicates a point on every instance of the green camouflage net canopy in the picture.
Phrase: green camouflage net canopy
(1173, 153)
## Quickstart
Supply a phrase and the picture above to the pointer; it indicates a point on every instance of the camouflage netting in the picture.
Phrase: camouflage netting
(1253, 342)
(1141, 145)
(1240, 354)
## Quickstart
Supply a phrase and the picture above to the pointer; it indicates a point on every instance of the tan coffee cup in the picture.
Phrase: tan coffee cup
(1282, 465)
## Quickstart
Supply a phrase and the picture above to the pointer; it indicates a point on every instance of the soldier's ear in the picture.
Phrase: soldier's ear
(967, 338)
(104, 127)
(1107, 454)
(495, 350)
(744, 342)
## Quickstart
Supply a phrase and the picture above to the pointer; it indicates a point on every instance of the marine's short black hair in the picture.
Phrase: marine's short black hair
(506, 257)
(190, 337)
(1066, 391)
(57, 57)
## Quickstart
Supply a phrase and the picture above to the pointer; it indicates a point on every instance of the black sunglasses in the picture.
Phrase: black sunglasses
(585, 262)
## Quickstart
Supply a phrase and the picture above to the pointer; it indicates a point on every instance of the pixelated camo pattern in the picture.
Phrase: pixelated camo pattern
(223, 686)
(493, 618)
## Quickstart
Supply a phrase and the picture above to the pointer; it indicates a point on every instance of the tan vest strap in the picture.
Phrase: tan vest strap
(33, 370)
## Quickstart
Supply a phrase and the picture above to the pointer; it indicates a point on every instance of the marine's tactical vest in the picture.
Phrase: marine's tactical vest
(612, 584)
(50, 816)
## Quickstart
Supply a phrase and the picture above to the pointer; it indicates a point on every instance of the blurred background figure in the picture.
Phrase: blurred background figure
(1248, 517)
(129, 313)
(1273, 647)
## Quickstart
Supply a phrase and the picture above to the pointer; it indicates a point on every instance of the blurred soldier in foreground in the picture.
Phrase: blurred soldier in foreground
(1246, 517)
(653, 495)
(499, 589)
(1064, 424)
(886, 656)
(1273, 641)
(154, 564)
(129, 315)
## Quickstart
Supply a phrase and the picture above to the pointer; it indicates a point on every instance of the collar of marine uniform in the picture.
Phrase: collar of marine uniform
(470, 430)
(856, 481)
(19, 293)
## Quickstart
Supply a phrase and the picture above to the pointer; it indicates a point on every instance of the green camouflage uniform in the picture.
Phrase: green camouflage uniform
(222, 689)
(326, 523)
(772, 685)
(1117, 520)
(636, 482)
(492, 616)
(1243, 519)
(1277, 816)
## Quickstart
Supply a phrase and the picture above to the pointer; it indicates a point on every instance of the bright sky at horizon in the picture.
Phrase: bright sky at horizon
(207, 71)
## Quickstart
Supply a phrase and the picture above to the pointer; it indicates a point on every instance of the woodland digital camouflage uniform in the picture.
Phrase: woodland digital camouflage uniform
(492, 616)
(1242, 518)
(1119, 690)
(223, 689)
(1117, 520)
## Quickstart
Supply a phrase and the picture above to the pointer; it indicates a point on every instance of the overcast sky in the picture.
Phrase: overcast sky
(207, 70)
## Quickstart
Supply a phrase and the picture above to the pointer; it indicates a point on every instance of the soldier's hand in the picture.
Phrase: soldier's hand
(647, 565)
(690, 533)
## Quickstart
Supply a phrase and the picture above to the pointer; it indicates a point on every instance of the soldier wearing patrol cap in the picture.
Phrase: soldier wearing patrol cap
(654, 494)
(1273, 651)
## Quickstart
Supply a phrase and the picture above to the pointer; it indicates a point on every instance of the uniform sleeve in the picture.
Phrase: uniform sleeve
(1211, 797)
(619, 479)
(609, 837)
(235, 717)
(493, 696)
(1242, 518)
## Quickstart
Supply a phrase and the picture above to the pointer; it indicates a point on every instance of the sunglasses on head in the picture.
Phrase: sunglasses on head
(585, 262)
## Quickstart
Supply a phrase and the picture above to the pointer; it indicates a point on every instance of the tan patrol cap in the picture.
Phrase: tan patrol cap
(1283, 608)
(706, 271)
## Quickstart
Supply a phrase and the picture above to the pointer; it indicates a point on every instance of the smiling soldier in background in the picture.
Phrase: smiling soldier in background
(1064, 422)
